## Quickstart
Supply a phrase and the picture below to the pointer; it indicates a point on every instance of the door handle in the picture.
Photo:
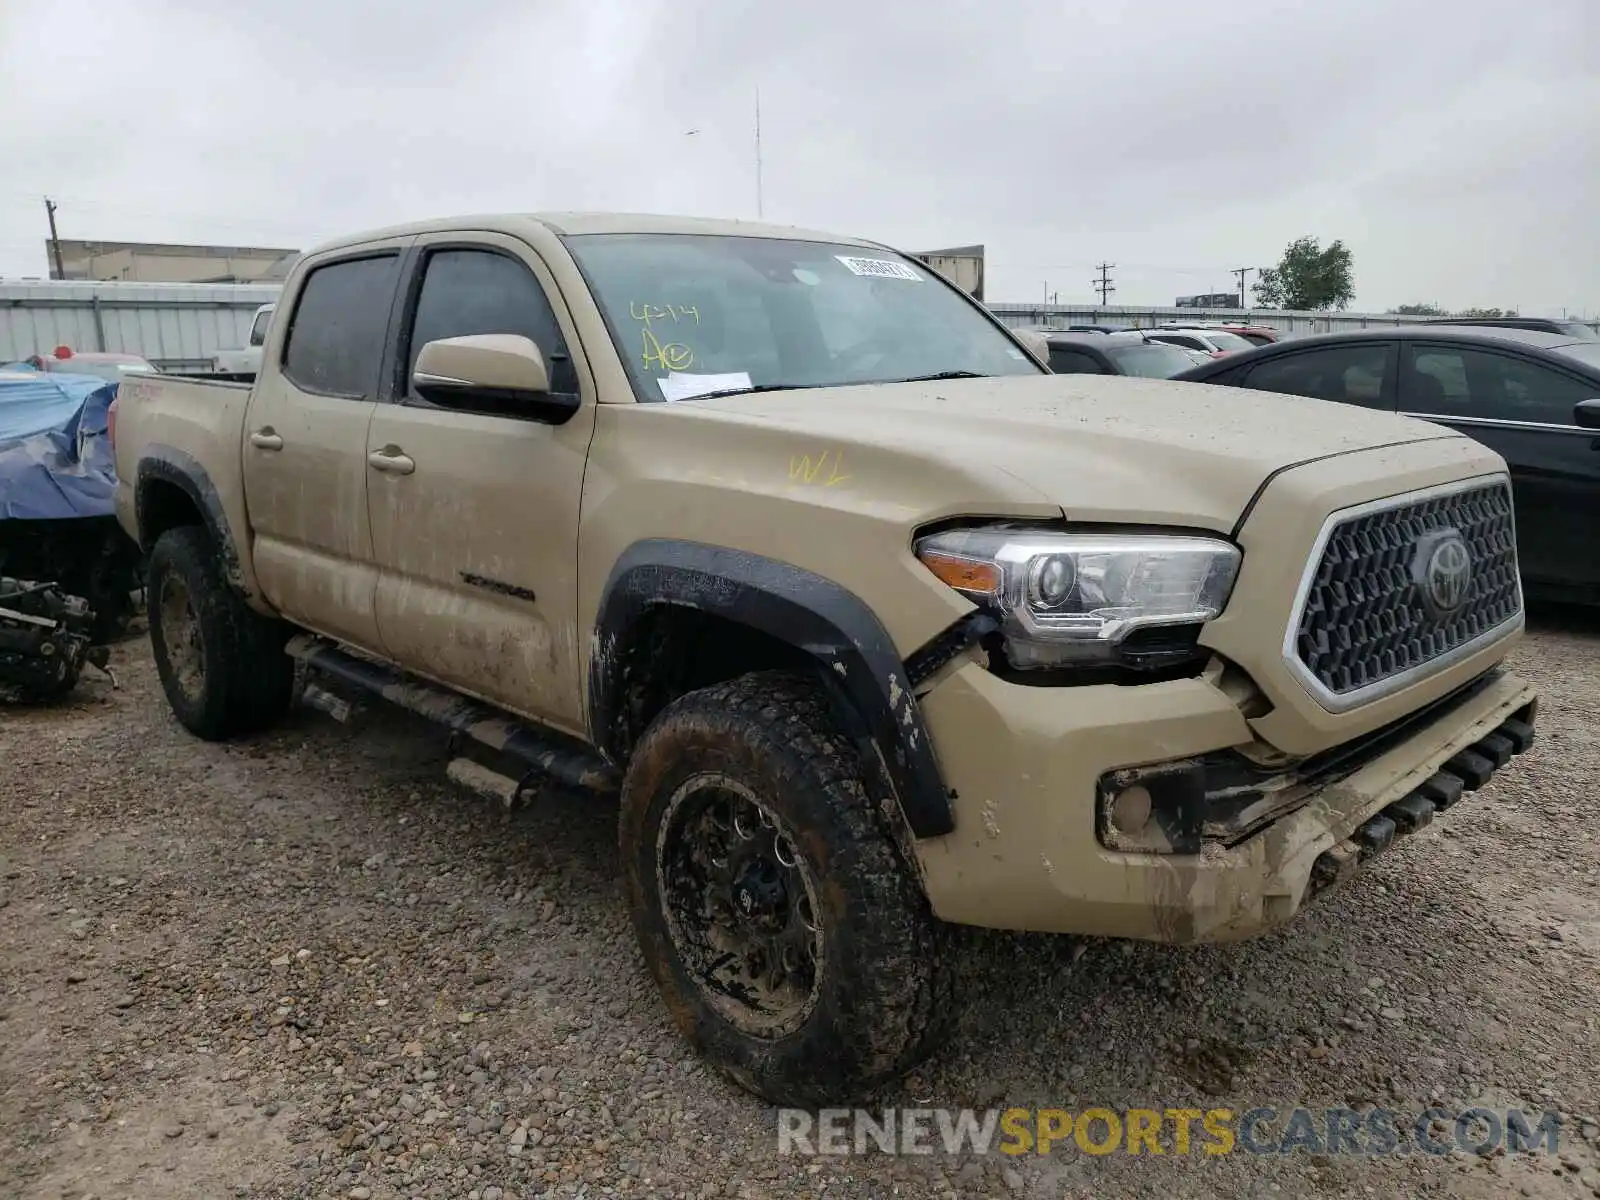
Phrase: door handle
(265, 439)
(391, 461)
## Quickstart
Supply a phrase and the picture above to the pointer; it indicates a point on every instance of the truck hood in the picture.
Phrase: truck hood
(1105, 448)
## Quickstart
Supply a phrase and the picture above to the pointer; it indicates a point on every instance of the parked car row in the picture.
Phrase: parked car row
(1212, 340)
(1533, 397)
(1133, 352)
(1158, 353)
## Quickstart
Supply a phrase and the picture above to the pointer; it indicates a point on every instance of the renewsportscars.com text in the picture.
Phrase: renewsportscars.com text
(1170, 1131)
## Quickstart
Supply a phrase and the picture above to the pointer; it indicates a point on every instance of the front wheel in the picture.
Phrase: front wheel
(785, 930)
(222, 666)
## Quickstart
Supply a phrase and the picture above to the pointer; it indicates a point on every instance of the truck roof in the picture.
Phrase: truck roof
(573, 223)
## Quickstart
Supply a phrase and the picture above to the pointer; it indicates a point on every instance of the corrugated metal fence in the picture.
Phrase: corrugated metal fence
(178, 326)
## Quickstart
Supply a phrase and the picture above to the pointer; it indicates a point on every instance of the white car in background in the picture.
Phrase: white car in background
(1214, 343)
(247, 360)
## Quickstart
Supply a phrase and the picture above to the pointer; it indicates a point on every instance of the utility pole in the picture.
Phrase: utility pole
(55, 242)
(758, 154)
(1241, 272)
(1103, 284)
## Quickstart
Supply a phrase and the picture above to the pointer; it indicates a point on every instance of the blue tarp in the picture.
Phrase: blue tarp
(55, 458)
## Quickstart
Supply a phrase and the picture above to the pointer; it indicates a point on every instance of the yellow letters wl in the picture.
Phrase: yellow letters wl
(803, 470)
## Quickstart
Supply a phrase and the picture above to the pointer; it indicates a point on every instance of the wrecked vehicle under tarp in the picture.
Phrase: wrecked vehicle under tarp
(57, 495)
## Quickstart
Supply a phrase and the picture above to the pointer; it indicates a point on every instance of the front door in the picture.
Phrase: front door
(475, 514)
(305, 446)
(1523, 410)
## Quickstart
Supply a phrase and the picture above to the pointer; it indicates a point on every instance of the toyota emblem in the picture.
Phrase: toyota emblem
(1443, 571)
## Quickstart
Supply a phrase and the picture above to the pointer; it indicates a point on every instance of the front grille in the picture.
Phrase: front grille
(1372, 614)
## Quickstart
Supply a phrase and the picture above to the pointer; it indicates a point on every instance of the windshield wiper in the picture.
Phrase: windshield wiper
(793, 387)
(752, 389)
(941, 375)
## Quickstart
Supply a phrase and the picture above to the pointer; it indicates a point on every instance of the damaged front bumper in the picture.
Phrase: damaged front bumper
(1230, 849)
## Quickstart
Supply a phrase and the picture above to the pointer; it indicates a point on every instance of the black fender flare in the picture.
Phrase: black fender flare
(168, 464)
(853, 651)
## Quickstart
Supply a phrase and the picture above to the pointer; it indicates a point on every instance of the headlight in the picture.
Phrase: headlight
(1066, 598)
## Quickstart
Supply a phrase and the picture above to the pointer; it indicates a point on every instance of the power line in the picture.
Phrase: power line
(1103, 284)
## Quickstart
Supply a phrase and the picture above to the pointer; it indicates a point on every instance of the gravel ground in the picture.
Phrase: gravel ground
(306, 965)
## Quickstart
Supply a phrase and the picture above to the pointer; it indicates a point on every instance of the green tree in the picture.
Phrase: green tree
(1419, 310)
(1308, 277)
(1486, 312)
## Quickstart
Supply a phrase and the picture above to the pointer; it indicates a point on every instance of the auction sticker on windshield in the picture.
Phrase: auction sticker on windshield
(680, 386)
(879, 268)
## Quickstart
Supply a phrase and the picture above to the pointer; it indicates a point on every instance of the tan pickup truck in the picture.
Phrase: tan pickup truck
(877, 626)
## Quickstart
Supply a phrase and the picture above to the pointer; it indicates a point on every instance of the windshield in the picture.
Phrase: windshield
(693, 314)
(1153, 360)
(1579, 330)
(1228, 341)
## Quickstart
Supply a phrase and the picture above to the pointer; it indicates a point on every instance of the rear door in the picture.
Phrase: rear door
(475, 513)
(305, 470)
(1522, 408)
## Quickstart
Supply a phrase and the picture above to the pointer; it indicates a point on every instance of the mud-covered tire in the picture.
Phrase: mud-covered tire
(877, 1003)
(222, 666)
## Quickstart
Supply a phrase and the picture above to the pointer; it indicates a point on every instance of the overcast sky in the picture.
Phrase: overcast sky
(1454, 145)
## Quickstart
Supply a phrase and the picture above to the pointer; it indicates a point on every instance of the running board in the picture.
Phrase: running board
(561, 759)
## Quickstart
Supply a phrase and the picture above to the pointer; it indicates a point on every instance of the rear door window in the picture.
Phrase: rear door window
(1357, 374)
(336, 337)
(1452, 381)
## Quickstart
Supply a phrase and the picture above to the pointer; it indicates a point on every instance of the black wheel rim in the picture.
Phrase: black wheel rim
(741, 905)
(180, 638)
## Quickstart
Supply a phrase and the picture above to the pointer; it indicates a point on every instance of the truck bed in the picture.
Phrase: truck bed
(202, 419)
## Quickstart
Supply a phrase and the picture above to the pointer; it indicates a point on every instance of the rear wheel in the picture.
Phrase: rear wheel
(788, 935)
(222, 666)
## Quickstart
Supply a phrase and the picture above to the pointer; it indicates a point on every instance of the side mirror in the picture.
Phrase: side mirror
(499, 373)
(1587, 413)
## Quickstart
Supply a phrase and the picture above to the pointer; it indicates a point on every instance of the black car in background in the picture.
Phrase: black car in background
(1121, 353)
(1532, 397)
(1577, 330)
